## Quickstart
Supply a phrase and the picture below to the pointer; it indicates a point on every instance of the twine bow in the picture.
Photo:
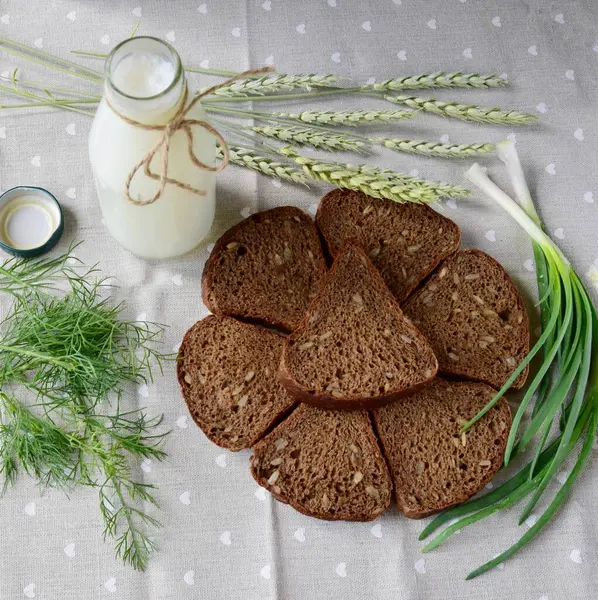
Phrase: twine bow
(180, 123)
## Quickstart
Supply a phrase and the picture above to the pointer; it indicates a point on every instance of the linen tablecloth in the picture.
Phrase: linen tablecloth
(223, 537)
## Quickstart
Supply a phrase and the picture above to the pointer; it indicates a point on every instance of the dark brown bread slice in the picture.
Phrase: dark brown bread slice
(433, 465)
(266, 268)
(325, 464)
(474, 317)
(355, 348)
(227, 373)
(404, 241)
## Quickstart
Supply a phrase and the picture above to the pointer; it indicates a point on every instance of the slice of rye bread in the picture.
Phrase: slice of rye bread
(355, 348)
(433, 465)
(475, 318)
(267, 268)
(325, 464)
(404, 241)
(227, 373)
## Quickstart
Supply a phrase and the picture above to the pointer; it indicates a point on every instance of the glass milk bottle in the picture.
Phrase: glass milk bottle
(145, 82)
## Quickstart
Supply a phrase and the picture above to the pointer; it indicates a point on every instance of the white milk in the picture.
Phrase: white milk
(145, 82)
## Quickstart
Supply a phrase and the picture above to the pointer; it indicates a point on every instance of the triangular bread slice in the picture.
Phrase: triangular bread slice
(227, 373)
(406, 242)
(355, 348)
(267, 268)
(325, 464)
(475, 318)
(433, 465)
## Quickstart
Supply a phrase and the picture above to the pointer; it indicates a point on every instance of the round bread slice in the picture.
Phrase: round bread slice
(406, 242)
(475, 319)
(355, 349)
(227, 373)
(325, 464)
(267, 268)
(433, 465)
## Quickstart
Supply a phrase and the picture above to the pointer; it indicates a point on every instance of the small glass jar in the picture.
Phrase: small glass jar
(145, 81)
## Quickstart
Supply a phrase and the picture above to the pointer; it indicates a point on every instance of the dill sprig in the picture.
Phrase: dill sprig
(76, 356)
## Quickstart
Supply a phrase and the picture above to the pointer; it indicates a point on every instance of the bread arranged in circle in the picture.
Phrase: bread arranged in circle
(355, 348)
(404, 241)
(325, 464)
(475, 319)
(433, 465)
(227, 373)
(266, 269)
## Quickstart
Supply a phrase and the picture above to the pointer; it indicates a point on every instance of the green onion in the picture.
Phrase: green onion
(566, 382)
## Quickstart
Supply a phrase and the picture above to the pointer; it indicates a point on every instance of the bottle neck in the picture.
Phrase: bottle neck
(144, 80)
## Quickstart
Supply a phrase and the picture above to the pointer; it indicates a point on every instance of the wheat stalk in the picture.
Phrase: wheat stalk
(246, 157)
(306, 136)
(438, 80)
(347, 118)
(275, 83)
(435, 148)
(465, 112)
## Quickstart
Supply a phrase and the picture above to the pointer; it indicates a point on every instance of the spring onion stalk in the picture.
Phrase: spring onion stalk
(566, 385)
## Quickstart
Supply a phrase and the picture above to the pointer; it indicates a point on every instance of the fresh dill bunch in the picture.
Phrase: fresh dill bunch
(76, 355)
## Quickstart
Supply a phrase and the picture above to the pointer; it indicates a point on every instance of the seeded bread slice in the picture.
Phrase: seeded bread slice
(475, 318)
(325, 464)
(355, 348)
(433, 465)
(267, 268)
(404, 241)
(227, 373)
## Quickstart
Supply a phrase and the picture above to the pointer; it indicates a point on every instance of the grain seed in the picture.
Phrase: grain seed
(273, 478)
(281, 444)
(442, 273)
(357, 477)
(250, 375)
(276, 461)
(306, 345)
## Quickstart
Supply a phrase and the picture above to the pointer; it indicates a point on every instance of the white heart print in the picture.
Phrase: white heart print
(236, 32)
(39, 43)
(269, 61)
(533, 50)
(559, 233)
(70, 129)
(72, 15)
(550, 169)
(299, 534)
(560, 18)
(170, 36)
(467, 53)
(105, 39)
(542, 108)
(185, 498)
(276, 183)
(267, 5)
(341, 569)
(69, 550)
(452, 203)
(366, 26)
(205, 63)
(177, 279)
(110, 585)
(444, 138)
(331, 3)
(529, 265)
(143, 390)
(30, 509)
(225, 538)
(588, 197)
(575, 556)
(5, 19)
(300, 28)
(376, 530)
(189, 577)
(578, 134)
(137, 11)
(71, 193)
(182, 422)
(3, 132)
(220, 460)
(29, 591)
(36, 161)
(562, 476)
(402, 55)
(246, 212)
(313, 209)
(265, 572)
(496, 22)
(431, 23)
(531, 520)
(146, 465)
(203, 9)
(420, 566)
(336, 57)
(570, 74)
(490, 235)
(260, 493)
(370, 81)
